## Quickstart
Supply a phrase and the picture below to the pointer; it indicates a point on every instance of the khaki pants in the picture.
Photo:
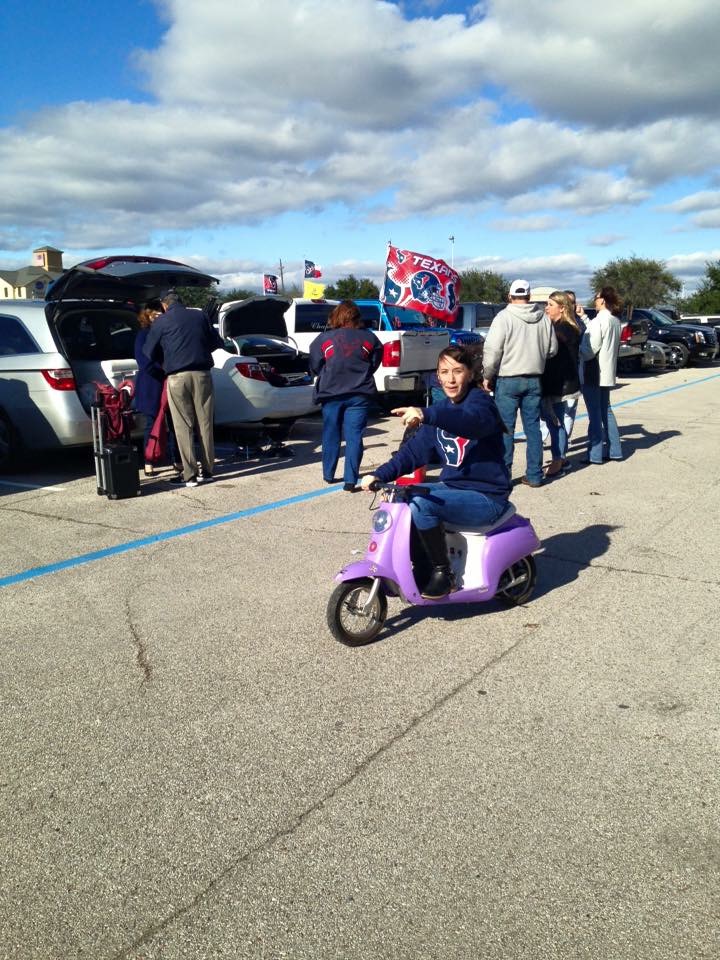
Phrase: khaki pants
(192, 404)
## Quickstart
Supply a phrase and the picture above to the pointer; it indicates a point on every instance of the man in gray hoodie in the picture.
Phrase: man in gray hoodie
(520, 340)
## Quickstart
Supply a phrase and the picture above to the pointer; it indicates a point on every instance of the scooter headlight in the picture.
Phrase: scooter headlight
(381, 521)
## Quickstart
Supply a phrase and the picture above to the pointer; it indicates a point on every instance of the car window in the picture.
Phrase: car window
(661, 319)
(401, 318)
(370, 313)
(312, 317)
(101, 335)
(14, 338)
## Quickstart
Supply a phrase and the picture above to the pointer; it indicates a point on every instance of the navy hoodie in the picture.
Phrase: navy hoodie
(345, 360)
(467, 437)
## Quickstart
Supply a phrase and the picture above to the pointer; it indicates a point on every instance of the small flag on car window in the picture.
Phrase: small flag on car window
(311, 271)
(269, 283)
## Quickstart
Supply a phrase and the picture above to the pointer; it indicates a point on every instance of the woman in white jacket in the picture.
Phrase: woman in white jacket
(599, 348)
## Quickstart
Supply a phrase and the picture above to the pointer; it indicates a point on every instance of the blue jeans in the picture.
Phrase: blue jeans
(346, 416)
(603, 430)
(523, 394)
(465, 508)
(556, 414)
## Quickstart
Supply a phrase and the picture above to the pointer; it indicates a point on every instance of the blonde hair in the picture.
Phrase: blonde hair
(568, 309)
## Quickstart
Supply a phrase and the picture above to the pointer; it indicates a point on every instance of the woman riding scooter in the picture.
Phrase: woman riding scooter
(466, 433)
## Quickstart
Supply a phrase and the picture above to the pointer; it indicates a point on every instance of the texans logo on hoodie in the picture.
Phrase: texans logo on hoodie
(453, 447)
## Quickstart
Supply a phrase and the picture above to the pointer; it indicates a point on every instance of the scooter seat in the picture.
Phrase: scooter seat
(486, 528)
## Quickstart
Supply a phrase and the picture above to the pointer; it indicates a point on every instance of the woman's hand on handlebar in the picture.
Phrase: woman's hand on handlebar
(367, 482)
(411, 416)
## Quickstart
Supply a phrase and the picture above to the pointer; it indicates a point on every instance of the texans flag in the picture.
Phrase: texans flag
(311, 271)
(269, 283)
(422, 283)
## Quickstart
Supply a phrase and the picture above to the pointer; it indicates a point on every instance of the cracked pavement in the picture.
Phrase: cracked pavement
(191, 767)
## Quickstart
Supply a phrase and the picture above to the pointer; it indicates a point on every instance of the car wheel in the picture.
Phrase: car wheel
(679, 353)
(9, 444)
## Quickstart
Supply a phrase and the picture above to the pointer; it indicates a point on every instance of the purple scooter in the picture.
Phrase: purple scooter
(491, 561)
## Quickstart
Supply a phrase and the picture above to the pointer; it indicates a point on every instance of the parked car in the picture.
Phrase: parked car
(476, 316)
(658, 356)
(54, 353)
(707, 319)
(690, 343)
(261, 378)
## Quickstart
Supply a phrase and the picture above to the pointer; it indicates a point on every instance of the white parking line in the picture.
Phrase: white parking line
(29, 486)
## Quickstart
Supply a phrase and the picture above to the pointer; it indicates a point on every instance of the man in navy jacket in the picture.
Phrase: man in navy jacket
(182, 339)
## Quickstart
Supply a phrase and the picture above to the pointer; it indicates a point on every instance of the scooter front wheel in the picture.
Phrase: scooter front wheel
(347, 618)
(517, 582)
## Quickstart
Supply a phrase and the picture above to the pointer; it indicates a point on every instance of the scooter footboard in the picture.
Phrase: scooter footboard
(506, 546)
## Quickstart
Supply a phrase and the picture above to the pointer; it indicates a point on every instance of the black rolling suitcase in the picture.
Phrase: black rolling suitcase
(117, 472)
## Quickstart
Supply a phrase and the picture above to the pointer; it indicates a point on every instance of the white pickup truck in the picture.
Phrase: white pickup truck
(410, 344)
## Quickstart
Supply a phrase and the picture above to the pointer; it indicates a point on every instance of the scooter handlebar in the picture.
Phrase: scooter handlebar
(401, 492)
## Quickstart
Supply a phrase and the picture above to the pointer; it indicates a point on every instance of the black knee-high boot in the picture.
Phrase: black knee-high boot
(441, 579)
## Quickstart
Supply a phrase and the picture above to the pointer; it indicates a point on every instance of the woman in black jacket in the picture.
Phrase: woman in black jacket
(561, 379)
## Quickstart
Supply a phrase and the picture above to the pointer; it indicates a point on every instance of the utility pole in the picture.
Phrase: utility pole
(282, 278)
(452, 251)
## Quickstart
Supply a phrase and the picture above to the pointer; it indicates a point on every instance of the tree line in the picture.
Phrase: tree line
(640, 282)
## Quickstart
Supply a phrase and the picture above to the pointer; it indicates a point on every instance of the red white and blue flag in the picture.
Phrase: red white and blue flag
(269, 283)
(420, 282)
(311, 271)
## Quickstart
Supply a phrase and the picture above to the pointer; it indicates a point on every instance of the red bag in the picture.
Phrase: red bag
(156, 448)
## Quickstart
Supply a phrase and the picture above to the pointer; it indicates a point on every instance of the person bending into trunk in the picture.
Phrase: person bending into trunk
(466, 433)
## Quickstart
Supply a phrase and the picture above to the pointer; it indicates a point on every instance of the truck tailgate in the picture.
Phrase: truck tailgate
(419, 349)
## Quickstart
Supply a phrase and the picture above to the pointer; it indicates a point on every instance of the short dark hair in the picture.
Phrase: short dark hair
(458, 354)
(171, 298)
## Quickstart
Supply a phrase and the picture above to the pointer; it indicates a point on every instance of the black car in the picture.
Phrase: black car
(689, 342)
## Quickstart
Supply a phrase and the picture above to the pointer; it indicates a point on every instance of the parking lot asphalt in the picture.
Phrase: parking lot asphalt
(191, 767)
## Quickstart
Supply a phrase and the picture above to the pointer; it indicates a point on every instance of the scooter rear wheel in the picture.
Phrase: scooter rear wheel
(517, 582)
(345, 616)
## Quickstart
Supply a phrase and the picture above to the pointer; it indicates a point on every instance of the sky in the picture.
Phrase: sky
(539, 140)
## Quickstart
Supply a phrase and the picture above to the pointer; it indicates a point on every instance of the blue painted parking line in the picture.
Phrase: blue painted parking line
(159, 538)
(84, 558)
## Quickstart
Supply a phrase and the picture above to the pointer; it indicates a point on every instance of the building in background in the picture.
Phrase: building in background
(31, 283)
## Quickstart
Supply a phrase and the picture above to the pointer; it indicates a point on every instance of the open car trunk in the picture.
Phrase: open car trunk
(281, 363)
(256, 328)
(92, 311)
(99, 342)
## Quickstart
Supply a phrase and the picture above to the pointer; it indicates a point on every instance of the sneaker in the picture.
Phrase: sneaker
(178, 481)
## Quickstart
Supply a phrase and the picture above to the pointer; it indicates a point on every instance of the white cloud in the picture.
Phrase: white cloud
(262, 108)
(526, 224)
(605, 64)
(606, 239)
